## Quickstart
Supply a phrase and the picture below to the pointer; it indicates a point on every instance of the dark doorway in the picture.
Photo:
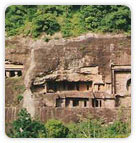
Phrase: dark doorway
(75, 103)
(96, 103)
(19, 73)
(12, 73)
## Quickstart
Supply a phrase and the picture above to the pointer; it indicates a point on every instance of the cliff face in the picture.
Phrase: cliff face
(17, 50)
(69, 56)
(85, 58)
(67, 60)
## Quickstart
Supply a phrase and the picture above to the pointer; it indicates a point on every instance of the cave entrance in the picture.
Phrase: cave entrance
(129, 86)
(12, 73)
(68, 86)
(96, 103)
(19, 73)
(51, 86)
(77, 102)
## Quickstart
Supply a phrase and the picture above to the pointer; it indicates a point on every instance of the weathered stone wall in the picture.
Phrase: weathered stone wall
(11, 114)
(121, 79)
(93, 51)
(125, 101)
(72, 114)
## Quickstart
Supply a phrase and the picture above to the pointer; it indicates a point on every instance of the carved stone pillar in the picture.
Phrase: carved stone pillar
(64, 102)
(45, 88)
(16, 74)
(7, 74)
(89, 103)
(81, 103)
(95, 87)
(70, 103)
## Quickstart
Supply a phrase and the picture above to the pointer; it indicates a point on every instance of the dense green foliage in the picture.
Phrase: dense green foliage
(25, 127)
(69, 20)
(55, 129)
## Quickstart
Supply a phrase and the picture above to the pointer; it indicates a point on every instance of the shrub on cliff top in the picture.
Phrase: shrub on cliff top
(45, 23)
(70, 20)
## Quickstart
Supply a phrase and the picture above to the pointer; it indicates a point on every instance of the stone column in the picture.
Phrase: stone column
(7, 74)
(113, 82)
(95, 87)
(89, 103)
(64, 101)
(81, 103)
(103, 103)
(70, 103)
(16, 74)
(45, 88)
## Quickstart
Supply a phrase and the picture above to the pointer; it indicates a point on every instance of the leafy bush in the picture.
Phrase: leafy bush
(117, 20)
(107, 18)
(19, 98)
(118, 129)
(25, 127)
(91, 128)
(67, 28)
(45, 23)
(16, 15)
(56, 129)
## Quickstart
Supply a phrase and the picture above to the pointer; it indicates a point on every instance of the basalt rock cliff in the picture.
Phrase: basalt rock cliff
(85, 58)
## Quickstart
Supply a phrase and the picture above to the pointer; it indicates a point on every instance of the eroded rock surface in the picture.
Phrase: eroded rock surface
(82, 72)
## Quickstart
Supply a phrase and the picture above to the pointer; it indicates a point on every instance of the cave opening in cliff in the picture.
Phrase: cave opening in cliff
(96, 103)
(129, 86)
(85, 103)
(59, 102)
(75, 102)
(71, 85)
(12, 73)
(51, 86)
(54, 86)
(70, 102)
(19, 73)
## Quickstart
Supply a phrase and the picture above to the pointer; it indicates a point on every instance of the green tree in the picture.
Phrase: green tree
(45, 23)
(16, 15)
(56, 129)
(88, 128)
(107, 18)
(25, 127)
(119, 19)
(118, 129)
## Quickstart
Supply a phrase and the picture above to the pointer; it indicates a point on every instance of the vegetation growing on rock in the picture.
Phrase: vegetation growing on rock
(14, 91)
(69, 20)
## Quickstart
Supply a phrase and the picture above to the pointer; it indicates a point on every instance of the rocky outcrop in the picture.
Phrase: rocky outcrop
(86, 58)
(68, 59)
(70, 56)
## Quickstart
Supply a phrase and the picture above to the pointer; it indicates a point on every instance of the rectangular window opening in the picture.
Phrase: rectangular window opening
(87, 86)
(96, 103)
(85, 103)
(75, 103)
